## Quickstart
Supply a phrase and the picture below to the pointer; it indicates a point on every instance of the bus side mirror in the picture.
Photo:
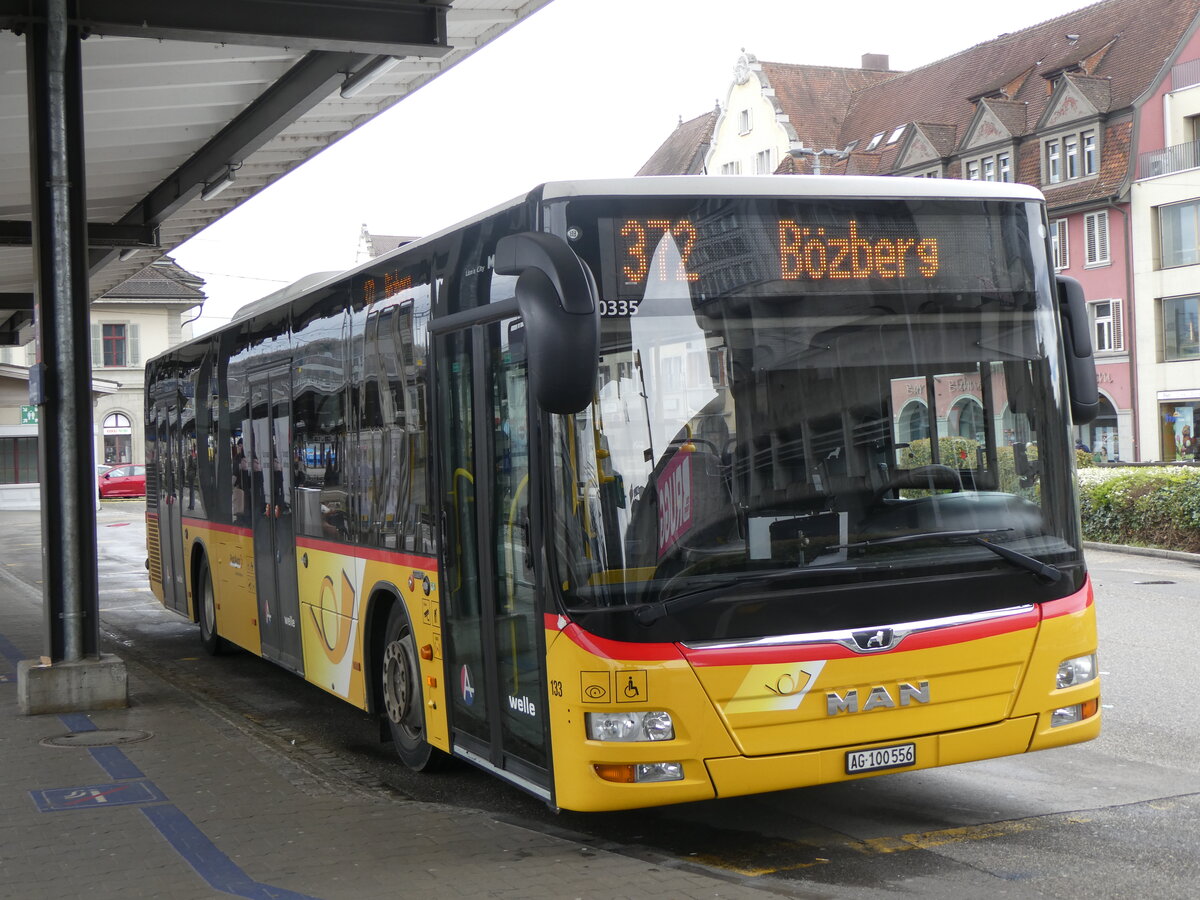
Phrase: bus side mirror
(1077, 347)
(560, 306)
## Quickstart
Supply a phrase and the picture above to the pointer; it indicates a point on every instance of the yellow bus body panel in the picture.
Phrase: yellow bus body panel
(744, 725)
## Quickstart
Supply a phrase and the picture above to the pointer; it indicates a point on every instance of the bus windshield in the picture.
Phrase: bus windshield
(795, 397)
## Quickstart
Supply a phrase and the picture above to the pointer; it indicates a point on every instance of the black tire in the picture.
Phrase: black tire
(206, 604)
(402, 706)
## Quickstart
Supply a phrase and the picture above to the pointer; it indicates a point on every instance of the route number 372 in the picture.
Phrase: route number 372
(644, 248)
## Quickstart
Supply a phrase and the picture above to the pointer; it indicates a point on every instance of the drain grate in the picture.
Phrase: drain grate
(1154, 582)
(97, 738)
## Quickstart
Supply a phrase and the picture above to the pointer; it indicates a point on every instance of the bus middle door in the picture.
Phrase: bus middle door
(493, 629)
(170, 512)
(271, 517)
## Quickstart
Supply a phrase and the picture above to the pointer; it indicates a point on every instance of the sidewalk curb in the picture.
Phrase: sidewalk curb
(1177, 555)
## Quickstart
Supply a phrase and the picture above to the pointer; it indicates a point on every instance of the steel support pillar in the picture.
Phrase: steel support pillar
(72, 675)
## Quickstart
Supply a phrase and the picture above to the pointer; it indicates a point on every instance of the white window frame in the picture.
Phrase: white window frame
(1108, 331)
(1053, 161)
(745, 121)
(1060, 244)
(731, 168)
(972, 170)
(1004, 166)
(874, 142)
(762, 162)
(1095, 241)
(1087, 141)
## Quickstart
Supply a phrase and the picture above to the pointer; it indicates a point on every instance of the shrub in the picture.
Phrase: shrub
(1148, 507)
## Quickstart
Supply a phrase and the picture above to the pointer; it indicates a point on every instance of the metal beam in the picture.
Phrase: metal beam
(16, 301)
(15, 233)
(306, 84)
(386, 27)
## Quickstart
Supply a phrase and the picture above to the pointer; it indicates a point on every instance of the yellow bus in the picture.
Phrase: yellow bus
(636, 492)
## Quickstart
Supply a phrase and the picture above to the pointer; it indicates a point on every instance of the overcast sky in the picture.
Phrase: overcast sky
(581, 89)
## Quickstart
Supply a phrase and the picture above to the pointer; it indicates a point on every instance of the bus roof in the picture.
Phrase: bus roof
(836, 186)
(797, 186)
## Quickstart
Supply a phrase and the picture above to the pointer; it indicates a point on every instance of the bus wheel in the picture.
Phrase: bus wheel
(213, 642)
(403, 707)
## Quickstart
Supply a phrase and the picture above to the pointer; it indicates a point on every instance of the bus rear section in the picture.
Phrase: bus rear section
(819, 521)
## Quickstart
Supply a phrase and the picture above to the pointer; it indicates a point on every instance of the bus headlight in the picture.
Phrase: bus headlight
(1077, 670)
(630, 726)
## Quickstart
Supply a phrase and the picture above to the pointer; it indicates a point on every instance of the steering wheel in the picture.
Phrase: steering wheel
(930, 477)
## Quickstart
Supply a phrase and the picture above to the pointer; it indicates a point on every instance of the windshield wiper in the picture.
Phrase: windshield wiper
(1051, 574)
(921, 536)
(1045, 571)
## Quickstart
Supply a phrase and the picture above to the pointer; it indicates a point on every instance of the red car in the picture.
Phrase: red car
(123, 481)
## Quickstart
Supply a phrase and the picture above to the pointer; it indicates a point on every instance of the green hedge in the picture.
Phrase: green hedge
(1145, 507)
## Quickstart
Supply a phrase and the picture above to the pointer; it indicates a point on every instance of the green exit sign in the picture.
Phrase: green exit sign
(29, 415)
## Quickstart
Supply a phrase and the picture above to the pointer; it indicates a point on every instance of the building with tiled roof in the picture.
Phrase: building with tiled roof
(139, 318)
(683, 153)
(1095, 108)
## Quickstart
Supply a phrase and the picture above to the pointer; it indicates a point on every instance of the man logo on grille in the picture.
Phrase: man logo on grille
(879, 639)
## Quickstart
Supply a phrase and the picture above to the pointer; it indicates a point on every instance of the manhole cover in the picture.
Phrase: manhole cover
(98, 738)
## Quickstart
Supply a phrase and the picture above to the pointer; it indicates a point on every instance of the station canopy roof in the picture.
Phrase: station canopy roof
(180, 96)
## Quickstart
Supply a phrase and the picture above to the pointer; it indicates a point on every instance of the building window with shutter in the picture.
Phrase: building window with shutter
(115, 344)
(1095, 227)
(1108, 330)
(1058, 242)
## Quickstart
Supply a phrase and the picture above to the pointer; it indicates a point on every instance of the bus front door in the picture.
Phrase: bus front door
(170, 513)
(493, 631)
(271, 521)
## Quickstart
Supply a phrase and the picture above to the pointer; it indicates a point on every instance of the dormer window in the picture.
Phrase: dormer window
(875, 141)
(896, 134)
(1070, 156)
(991, 167)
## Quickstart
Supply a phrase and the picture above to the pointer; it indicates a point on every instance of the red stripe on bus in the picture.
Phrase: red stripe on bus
(369, 553)
(730, 656)
(609, 649)
(925, 640)
(1076, 603)
(216, 526)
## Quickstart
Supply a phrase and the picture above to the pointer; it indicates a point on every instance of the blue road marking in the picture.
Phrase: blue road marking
(221, 873)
